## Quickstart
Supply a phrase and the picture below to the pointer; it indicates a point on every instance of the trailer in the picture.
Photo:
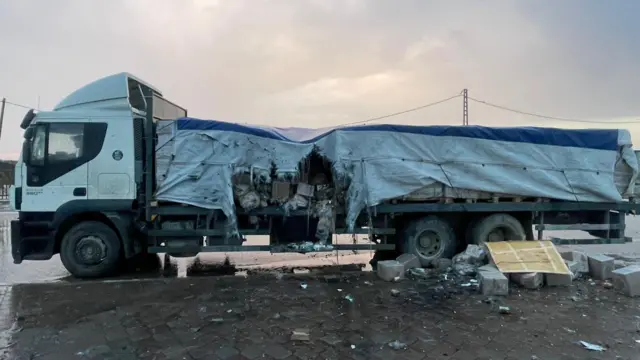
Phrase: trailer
(116, 170)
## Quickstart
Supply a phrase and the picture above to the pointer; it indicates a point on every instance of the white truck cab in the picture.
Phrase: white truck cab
(79, 163)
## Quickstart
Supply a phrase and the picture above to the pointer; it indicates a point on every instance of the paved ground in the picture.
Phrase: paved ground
(253, 318)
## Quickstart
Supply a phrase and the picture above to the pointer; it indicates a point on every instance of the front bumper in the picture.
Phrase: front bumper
(31, 241)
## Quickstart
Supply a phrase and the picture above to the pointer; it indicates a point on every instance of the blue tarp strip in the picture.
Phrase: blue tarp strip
(600, 139)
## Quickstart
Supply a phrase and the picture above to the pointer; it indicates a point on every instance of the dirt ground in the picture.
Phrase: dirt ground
(253, 317)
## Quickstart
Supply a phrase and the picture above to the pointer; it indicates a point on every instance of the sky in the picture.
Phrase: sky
(317, 63)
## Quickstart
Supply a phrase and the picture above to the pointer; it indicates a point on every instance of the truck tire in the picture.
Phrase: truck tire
(429, 238)
(91, 249)
(497, 227)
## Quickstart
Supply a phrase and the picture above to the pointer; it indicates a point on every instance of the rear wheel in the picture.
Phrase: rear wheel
(497, 227)
(90, 250)
(429, 238)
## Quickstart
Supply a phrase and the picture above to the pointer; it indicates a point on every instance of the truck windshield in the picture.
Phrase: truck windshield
(38, 143)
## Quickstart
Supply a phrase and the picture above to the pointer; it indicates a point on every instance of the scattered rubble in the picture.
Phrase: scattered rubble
(627, 280)
(558, 279)
(300, 335)
(528, 280)
(418, 274)
(575, 268)
(492, 281)
(619, 264)
(601, 267)
(592, 347)
(397, 345)
(443, 264)
(388, 270)
(580, 259)
(473, 254)
(409, 261)
(466, 263)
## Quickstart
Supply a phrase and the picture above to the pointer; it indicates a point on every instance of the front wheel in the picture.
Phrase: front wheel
(90, 250)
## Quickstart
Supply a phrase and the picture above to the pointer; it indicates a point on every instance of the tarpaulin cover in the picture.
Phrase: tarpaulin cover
(382, 162)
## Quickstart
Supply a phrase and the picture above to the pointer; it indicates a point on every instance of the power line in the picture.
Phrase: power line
(404, 111)
(551, 117)
(19, 105)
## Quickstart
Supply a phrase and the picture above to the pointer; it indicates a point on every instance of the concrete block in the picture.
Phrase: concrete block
(388, 270)
(409, 261)
(574, 267)
(558, 279)
(528, 280)
(627, 280)
(578, 257)
(601, 266)
(493, 283)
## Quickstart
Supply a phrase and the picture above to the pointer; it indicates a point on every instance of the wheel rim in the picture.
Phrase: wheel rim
(91, 250)
(429, 244)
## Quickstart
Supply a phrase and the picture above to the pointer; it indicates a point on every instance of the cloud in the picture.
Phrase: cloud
(316, 63)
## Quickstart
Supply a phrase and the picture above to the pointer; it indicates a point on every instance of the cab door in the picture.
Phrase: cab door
(56, 170)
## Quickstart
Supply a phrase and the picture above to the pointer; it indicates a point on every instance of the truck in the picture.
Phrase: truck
(116, 171)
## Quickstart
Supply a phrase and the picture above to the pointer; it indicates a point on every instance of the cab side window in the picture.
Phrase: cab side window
(65, 142)
(58, 148)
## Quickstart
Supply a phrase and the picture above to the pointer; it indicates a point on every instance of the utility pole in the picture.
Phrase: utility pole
(465, 108)
(4, 102)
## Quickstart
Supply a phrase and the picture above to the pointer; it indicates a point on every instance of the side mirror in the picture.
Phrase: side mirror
(28, 118)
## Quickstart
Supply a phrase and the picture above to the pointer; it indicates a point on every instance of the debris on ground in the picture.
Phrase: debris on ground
(395, 292)
(592, 347)
(574, 268)
(409, 261)
(627, 280)
(528, 280)
(580, 259)
(463, 269)
(300, 335)
(505, 310)
(619, 264)
(492, 281)
(607, 285)
(418, 274)
(349, 298)
(397, 345)
(558, 279)
(601, 266)
(473, 254)
(388, 270)
(304, 285)
(443, 264)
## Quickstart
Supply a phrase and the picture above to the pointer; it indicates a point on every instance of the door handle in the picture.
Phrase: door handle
(80, 191)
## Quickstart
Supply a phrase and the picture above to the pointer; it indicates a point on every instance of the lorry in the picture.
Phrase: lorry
(117, 171)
